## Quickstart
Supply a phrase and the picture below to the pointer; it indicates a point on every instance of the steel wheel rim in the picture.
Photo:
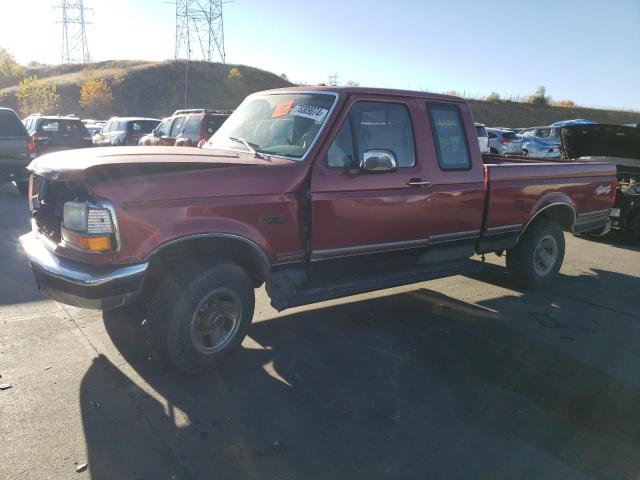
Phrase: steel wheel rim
(545, 255)
(215, 320)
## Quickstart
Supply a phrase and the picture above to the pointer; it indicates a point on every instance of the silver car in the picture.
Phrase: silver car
(504, 142)
(538, 147)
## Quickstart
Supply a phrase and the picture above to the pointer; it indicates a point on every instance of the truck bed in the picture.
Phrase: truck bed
(517, 187)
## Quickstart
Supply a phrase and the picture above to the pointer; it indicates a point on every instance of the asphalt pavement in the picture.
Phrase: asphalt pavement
(459, 378)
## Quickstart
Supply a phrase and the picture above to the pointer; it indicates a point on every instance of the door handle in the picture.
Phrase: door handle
(417, 182)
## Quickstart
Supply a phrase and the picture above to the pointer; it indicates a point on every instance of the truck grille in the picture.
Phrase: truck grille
(37, 185)
(47, 202)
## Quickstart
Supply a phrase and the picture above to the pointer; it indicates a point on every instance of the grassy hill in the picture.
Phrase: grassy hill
(514, 114)
(153, 89)
(156, 89)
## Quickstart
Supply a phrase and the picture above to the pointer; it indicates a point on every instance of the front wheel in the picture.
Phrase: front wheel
(538, 256)
(198, 317)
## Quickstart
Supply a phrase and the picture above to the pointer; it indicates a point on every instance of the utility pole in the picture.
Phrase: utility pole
(75, 48)
(333, 80)
(199, 26)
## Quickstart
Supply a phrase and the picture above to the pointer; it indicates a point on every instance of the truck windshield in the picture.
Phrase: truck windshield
(283, 124)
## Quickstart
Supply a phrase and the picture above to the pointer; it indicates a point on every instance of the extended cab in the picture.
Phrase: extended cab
(318, 193)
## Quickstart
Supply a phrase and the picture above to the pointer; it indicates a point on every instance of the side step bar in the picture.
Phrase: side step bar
(313, 293)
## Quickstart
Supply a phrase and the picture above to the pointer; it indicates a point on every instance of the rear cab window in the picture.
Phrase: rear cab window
(10, 125)
(449, 136)
(373, 126)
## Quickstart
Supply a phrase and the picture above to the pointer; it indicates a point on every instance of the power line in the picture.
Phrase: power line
(75, 48)
(199, 30)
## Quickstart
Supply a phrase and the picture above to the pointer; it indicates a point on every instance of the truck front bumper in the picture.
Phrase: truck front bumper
(79, 284)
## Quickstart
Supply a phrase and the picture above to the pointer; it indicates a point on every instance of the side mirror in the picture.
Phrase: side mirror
(378, 161)
(154, 132)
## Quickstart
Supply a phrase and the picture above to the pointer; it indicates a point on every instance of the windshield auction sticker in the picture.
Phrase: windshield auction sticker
(282, 109)
(309, 111)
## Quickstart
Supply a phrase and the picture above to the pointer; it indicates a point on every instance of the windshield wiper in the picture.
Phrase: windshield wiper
(248, 145)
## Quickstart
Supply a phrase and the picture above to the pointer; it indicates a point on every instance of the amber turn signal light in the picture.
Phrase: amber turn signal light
(93, 243)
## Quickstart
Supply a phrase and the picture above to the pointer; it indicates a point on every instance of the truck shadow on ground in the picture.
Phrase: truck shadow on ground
(16, 281)
(398, 386)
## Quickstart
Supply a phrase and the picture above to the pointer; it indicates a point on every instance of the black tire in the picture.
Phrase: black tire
(538, 256)
(173, 325)
(22, 186)
(525, 153)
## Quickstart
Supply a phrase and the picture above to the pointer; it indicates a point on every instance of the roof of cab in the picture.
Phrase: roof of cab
(368, 91)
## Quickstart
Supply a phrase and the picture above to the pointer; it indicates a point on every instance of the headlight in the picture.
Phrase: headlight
(89, 227)
(74, 216)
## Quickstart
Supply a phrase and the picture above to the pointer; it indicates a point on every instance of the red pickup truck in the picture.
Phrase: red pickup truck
(318, 193)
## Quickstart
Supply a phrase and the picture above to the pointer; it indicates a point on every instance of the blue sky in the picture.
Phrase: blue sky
(587, 51)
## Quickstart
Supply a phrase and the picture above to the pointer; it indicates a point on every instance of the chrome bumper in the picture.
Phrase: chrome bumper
(79, 284)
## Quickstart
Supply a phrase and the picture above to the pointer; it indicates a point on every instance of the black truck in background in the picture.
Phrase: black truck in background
(617, 144)
(16, 148)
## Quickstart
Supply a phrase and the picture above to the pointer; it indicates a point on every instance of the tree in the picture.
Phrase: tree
(351, 83)
(565, 103)
(35, 96)
(493, 97)
(540, 98)
(234, 74)
(95, 95)
(9, 68)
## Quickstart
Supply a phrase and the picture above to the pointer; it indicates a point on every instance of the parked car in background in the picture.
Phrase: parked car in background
(541, 148)
(547, 133)
(52, 133)
(483, 137)
(619, 145)
(16, 148)
(124, 131)
(504, 142)
(575, 121)
(318, 193)
(95, 128)
(187, 128)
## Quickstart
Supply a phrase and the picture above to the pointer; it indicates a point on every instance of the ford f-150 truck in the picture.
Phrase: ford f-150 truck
(317, 193)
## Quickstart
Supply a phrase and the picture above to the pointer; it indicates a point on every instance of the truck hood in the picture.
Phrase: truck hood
(76, 164)
(600, 140)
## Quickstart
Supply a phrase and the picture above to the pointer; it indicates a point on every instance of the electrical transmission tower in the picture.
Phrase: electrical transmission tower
(74, 34)
(199, 30)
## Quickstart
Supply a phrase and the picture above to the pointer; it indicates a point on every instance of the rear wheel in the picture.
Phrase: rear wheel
(201, 315)
(525, 153)
(538, 256)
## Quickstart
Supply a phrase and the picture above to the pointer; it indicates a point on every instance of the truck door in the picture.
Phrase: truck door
(457, 176)
(356, 211)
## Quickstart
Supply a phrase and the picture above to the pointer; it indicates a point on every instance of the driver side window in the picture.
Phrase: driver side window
(376, 125)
